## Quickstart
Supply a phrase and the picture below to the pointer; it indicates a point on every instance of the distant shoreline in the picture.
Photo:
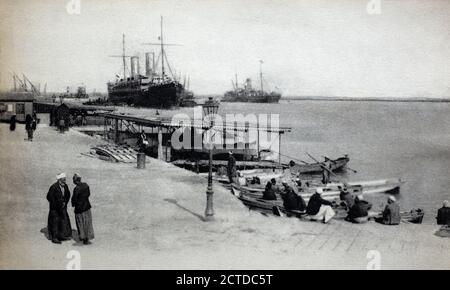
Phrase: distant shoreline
(347, 99)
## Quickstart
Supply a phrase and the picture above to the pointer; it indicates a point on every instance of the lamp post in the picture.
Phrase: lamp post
(210, 108)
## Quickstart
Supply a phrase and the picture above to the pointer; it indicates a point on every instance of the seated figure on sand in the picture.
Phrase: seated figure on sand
(359, 212)
(320, 209)
(291, 200)
(346, 197)
(391, 213)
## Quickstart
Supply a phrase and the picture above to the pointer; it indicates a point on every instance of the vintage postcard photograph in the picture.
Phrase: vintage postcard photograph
(224, 135)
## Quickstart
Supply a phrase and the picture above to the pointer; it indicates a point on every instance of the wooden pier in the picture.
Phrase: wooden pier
(126, 128)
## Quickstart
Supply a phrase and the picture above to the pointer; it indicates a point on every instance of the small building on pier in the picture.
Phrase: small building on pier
(19, 104)
(72, 113)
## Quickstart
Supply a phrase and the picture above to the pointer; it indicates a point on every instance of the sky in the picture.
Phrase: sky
(400, 48)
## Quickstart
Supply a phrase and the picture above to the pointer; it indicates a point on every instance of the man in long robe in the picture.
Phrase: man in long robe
(83, 216)
(231, 167)
(59, 228)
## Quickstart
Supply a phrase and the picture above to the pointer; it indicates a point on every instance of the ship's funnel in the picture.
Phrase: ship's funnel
(148, 70)
(134, 66)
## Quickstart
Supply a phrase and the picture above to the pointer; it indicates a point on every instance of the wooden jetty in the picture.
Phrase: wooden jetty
(126, 129)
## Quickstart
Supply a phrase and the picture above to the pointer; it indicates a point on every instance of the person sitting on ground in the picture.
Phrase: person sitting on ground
(443, 216)
(269, 192)
(291, 200)
(347, 198)
(320, 209)
(359, 212)
(391, 213)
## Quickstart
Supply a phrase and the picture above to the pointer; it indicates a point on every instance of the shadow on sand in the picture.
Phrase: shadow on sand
(75, 237)
(175, 202)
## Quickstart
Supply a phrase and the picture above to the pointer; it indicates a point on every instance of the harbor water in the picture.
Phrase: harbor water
(407, 140)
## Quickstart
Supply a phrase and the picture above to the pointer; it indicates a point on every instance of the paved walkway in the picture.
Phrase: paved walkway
(152, 219)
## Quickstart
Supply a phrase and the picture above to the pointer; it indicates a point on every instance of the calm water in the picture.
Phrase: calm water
(383, 139)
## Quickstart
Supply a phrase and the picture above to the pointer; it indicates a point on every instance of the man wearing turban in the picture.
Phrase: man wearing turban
(59, 228)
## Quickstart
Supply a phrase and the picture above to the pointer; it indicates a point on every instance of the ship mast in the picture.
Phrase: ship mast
(261, 74)
(162, 49)
(124, 57)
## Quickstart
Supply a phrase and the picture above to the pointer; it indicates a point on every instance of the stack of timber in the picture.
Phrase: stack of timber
(114, 153)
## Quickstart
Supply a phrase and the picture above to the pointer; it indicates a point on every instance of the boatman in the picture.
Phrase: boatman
(326, 170)
(231, 168)
(59, 228)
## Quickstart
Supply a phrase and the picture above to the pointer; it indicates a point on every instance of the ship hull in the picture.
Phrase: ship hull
(265, 98)
(157, 96)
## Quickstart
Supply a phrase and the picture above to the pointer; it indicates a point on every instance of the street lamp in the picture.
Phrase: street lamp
(210, 108)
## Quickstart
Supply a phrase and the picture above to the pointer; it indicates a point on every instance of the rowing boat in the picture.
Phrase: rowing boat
(276, 207)
(309, 168)
(331, 191)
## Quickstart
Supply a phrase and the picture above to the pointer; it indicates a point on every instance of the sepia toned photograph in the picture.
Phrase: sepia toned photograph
(224, 135)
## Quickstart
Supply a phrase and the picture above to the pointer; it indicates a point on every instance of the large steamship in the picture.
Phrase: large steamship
(154, 89)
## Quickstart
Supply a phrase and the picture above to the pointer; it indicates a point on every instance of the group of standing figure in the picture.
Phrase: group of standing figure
(58, 196)
(30, 124)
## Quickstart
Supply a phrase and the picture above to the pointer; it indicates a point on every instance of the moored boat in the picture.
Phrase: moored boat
(331, 191)
(309, 168)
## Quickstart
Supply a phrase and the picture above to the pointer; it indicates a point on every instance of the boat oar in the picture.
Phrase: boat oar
(346, 166)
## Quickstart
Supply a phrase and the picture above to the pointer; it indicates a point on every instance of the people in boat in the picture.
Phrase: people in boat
(275, 186)
(359, 212)
(269, 192)
(443, 215)
(391, 213)
(346, 197)
(326, 169)
(231, 166)
(291, 200)
(318, 208)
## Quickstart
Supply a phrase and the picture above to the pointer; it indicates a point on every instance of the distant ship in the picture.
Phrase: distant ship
(156, 90)
(248, 94)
